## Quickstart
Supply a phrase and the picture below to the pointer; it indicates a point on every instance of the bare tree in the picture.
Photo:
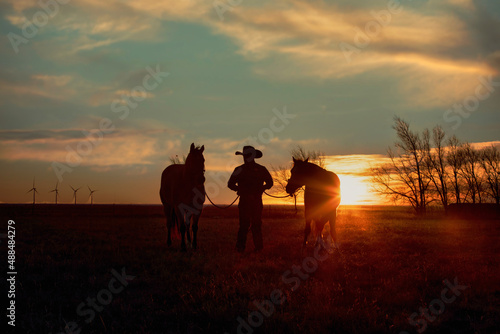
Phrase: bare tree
(426, 167)
(470, 173)
(490, 165)
(435, 163)
(455, 162)
(404, 177)
(316, 157)
(280, 174)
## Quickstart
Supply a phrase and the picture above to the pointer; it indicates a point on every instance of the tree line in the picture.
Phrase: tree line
(431, 167)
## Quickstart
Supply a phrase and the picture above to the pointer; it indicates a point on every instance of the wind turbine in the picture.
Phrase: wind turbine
(74, 192)
(34, 192)
(91, 196)
(56, 191)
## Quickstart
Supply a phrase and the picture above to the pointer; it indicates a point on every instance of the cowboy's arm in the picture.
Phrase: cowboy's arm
(232, 183)
(268, 179)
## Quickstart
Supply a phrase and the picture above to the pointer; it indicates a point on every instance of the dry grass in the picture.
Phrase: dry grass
(390, 263)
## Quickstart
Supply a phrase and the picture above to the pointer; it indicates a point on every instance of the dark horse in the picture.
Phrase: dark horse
(321, 196)
(182, 193)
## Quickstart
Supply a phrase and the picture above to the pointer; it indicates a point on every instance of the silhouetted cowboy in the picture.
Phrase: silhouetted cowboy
(250, 180)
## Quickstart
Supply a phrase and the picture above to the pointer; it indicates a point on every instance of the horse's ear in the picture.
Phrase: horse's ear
(307, 160)
(191, 148)
(294, 160)
(202, 148)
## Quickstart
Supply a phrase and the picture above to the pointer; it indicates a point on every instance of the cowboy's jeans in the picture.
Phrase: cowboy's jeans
(250, 213)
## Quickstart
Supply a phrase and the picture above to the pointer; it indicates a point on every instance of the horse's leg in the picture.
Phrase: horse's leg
(333, 230)
(320, 225)
(195, 229)
(169, 215)
(307, 231)
(182, 227)
(188, 224)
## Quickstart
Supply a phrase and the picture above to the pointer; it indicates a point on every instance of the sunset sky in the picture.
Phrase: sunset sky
(145, 79)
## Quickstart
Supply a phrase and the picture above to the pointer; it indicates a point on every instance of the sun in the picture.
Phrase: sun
(355, 181)
(354, 190)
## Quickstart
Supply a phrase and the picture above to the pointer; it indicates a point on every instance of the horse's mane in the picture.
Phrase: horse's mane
(320, 174)
(313, 167)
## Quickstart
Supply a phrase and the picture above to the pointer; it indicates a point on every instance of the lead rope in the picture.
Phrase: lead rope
(294, 199)
(228, 206)
(221, 207)
(265, 192)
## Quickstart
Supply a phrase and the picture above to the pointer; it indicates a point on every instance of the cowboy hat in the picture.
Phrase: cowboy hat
(250, 151)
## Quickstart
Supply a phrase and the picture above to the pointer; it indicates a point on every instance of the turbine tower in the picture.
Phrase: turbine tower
(74, 192)
(91, 196)
(56, 191)
(34, 192)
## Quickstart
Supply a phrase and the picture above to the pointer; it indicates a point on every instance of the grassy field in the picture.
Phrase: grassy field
(391, 266)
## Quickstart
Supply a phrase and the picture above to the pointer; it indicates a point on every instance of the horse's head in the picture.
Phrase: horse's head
(299, 174)
(195, 163)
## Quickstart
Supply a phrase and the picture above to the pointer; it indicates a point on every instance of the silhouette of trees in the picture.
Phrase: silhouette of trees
(426, 168)
(470, 173)
(404, 178)
(314, 156)
(435, 164)
(490, 164)
(454, 162)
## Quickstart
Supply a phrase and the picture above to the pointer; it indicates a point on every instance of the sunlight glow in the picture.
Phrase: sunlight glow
(355, 183)
(354, 190)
